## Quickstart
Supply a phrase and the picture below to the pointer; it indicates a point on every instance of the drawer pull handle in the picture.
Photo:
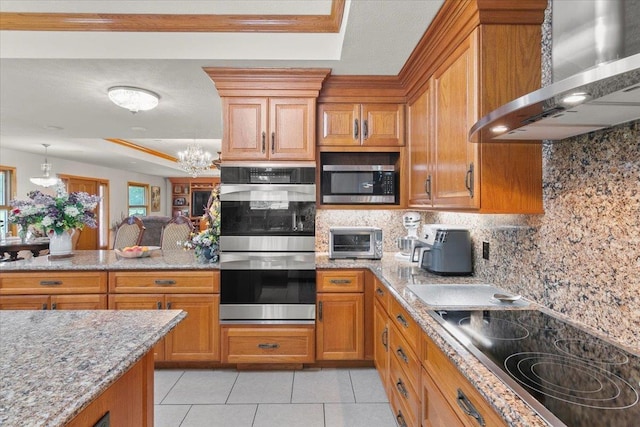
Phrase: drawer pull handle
(169, 306)
(400, 419)
(340, 281)
(402, 389)
(402, 356)
(54, 306)
(385, 339)
(51, 282)
(44, 306)
(402, 320)
(267, 346)
(165, 282)
(159, 305)
(465, 404)
(380, 292)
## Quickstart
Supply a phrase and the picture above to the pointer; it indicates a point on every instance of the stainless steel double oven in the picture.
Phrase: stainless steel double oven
(267, 244)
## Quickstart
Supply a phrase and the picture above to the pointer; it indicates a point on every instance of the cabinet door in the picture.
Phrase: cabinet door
(140, 302)
(340, 326)
(455, 110)
(381, 344)
(197, 337)
(436, 412)
(420, 156)
(291, 129)
(339, 124)
(382, 124)
(245, 129)
(24, 302)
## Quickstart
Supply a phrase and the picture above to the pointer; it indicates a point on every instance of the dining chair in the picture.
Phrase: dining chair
(129, 233)
(174, 232)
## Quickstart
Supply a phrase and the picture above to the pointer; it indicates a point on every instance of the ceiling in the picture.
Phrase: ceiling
(53, 84)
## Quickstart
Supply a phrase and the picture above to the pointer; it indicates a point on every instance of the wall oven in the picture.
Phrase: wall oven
(267, 244)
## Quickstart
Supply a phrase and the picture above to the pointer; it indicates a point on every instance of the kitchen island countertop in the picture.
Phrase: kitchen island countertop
(54, 363)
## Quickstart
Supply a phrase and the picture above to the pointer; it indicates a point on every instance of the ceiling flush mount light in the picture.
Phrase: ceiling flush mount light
(194, 160)
(133, 99)
(46, 180)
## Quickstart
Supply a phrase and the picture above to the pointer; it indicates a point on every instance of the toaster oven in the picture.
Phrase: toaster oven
(355, 242)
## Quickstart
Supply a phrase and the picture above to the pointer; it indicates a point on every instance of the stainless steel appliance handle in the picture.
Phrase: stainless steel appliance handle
(271, 192)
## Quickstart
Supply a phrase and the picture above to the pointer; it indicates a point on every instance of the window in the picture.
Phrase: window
(138, 199)
(7, 193)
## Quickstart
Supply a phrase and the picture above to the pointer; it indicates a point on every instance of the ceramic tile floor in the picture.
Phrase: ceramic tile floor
(307, 398)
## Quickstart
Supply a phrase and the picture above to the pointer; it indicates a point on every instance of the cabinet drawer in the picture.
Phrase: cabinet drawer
(53, 283)
(455, 388)
(381, 293)
(408, 327)
(340, 281)
(404, 397)
(406, 358)
(164, 281)
(436, 411)
(268, 344)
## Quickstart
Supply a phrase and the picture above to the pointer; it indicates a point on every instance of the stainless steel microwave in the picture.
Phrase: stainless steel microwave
(359, 184)
(355, 242)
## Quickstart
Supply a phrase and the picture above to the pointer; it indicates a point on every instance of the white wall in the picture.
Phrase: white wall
(28, 165)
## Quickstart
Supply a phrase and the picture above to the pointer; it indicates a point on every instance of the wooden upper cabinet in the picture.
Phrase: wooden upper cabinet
(360, 124)
(455, 159)
(419, 123)
(487, 69)
(268, 129)
(268, 114)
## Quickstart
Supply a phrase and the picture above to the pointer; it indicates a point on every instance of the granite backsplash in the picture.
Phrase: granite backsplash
(581, 257)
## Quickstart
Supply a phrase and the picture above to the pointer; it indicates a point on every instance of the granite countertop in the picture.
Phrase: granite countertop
(108, 260)
(54, 363)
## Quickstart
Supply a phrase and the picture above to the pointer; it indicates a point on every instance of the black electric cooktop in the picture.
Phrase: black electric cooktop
(570, 377)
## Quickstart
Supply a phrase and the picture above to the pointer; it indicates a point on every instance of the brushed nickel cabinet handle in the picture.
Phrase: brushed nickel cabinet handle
(402, 389)
(44, 306)
(365, 129)
(158, 305)
(273, 142)
(402, 355)
(402, 320)
(164, 282)
(380, 292)
(468, 180)
(400, 419)
(54, 306)
(385, 339)
(51, 282)
(169, 305)
(356, 129)
(264, 136)
(268, 346)
(427, 186)
(465, 404)
(340, 281)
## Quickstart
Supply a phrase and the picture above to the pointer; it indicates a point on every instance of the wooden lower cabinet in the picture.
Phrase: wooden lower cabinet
(266, 344)
(381, 344)
(340, 326)
(128, 401)
(196, 338)
(53, 302)
(446, 392)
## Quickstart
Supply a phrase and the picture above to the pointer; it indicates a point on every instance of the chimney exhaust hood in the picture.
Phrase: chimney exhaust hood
(594, 99)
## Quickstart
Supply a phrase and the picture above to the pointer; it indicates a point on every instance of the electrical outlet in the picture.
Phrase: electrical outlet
(485, 250)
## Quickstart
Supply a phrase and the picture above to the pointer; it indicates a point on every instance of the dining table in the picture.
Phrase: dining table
(14, 246)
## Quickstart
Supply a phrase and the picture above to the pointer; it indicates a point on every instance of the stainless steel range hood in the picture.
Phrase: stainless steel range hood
(613, 97)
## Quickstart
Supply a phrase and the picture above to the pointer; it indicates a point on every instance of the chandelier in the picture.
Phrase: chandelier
(46, 180)
(133, 99)
(194, 160)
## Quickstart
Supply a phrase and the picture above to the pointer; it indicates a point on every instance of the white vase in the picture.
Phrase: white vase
(60, 244)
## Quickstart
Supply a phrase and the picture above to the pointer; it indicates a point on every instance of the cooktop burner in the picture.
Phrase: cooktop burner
(568, 376)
